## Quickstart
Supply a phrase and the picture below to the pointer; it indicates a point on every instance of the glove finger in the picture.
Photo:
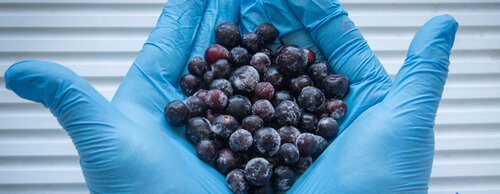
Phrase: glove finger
(340, 41)
(419, 83)
(87, 117)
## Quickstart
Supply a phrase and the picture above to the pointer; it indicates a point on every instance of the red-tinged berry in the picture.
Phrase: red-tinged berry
(216, 99)
(264, 90)
(264, 109)
(311, 56)
(216, 52)
(261, 62)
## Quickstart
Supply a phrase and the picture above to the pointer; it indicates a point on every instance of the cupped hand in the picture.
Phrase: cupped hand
(386, 142)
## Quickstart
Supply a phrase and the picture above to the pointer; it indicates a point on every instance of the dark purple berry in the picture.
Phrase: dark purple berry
(240, 140)
(224, 125)
(220, 143)
(239, 107)
(281, 96)
(335, 86)
(222, 84)
(202, 93)
(226, 160)
(252, 42)
(189, 84)
(196, 106)
(298, 83)
(278, 50)
(237, 182)
(267, 141)
(288, 134)
(267, 32)
(258, 171)
(227, 35)
(197, 66)
(221, 68)
(291, 60)
(206, 150)
(322, 145)
(308, 122)
(261, 62)
(311, 56)
(216, 52)
(327, 128)
(287, 113)
(311, 98)
(274, 77)
(264, 109)
(252, 123)
(264, 90)
(238, 56)
(244, 79)
(318, 72)
(303, 164)
(289, 154)
(268, 52)
(198, 128)
(211, 115)
(337, 108)
(208, 77)
(306, 143)
(216, 99)
(176, 113)
(283, 178)
(266, 189)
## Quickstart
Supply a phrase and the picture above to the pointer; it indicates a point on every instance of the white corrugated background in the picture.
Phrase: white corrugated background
(99, 39)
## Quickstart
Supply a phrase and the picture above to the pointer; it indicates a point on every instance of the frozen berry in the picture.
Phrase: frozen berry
(287, 113)
(240, 140)
(261, 62)
(335, 86)
(237, 182)
(198, 128)
(252, 42)
(289, 154)
(239, 106)
(264, 90)
(189, 84)
(197, 66)
(306, 143)
(264, 109)
(322, 145)
(281, 96)
(267, 141)
(196, 106)
(252, 123)
(308, 122)
(274, 77)
(176, 113)
(222, 84)
(267, 32)
(221, 68)
(311, 56)
(227, 34)
(278, 49)
(216, 99)
(288, 134)
(206, 150)
(283, 178)
(216, 52)
(258, 171)
(226, 160)
(337, 108)
(303, 164)
(208, 77)
(327, 128)
(311, 98)
(210, 115)
(238, 56)
(202, 93)
(291, 60)
(224, 125)
(298, 83)
(244, 79)
(318, 72)
(268, 52)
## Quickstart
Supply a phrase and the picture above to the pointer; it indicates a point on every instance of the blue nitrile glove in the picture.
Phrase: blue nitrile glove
(386, 143)
(126, 145)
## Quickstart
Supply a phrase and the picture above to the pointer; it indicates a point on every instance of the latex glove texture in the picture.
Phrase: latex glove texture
(386, 142)
(126, 145)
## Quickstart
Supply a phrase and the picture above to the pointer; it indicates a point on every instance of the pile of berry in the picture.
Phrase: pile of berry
(259, 117)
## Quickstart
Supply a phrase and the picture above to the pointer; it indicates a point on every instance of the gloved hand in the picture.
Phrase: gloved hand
(126, 145)
(386, 142)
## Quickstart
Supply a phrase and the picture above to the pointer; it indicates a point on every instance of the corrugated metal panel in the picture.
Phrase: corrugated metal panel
(99, 39)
